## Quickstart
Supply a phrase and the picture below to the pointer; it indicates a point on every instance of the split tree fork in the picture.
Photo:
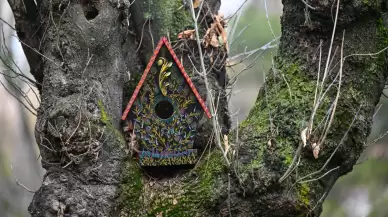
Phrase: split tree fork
(80, 52)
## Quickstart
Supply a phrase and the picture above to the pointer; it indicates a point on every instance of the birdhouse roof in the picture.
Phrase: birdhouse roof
(181, 69)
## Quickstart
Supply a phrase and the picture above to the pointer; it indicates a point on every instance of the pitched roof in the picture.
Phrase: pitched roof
(180, 66)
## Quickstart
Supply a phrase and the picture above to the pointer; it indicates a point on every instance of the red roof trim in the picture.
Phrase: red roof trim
(180, 66)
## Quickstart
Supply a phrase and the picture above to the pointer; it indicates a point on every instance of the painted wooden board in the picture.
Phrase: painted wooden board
(165, 109)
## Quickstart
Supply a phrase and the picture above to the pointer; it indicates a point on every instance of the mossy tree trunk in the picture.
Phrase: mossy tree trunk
(270, 136)
(83, 52)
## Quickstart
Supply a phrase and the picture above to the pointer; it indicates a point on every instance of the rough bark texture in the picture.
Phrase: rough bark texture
(81, 52)
(89, 46)
(260, 164)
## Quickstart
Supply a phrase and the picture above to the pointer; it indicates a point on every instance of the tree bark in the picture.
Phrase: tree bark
(267, 150)
(83, 51)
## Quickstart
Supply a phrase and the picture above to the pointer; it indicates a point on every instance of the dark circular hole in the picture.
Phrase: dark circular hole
(164, 109)
(90, 12)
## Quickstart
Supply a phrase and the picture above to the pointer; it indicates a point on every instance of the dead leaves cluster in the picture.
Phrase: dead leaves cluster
(215, 35)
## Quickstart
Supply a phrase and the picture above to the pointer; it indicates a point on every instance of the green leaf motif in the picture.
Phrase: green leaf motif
(163, 74)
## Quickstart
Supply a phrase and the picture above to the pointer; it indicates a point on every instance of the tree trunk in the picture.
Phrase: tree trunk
(83, 51)
(268, 149)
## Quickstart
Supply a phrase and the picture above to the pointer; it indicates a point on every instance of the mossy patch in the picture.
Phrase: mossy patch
(209, 172)
(199, 190)
(170, 17)
(382, 41)
(382, 34)
(286, 151)
(131, 189)
(183, 196)
(372, 3)
(286, 101)
(104, 117)
(303, 194)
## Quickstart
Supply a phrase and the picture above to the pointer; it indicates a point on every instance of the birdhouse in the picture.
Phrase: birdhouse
(164, 111)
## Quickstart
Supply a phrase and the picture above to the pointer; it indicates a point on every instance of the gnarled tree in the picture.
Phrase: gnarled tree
(80, 53)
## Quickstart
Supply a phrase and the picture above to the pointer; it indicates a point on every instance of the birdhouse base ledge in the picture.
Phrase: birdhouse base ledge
(149, 158)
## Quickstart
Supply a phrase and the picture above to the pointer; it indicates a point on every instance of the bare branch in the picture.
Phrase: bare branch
(20, 184)
(269, 23)
(248, 54)
(338, 94)
(309, 6)
(8, 24)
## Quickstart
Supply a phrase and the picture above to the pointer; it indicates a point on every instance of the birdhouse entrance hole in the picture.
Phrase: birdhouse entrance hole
(164, 109)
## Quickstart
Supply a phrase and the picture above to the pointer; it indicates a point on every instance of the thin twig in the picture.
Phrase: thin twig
(338, 93)
(269, 23)
(309, 6)
(238, 10)
(325, 174)
(8, 24)
(247, 54)
(20, 184)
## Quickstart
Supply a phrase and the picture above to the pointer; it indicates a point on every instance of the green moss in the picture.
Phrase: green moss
(287, 152)
(182, 20)
(108, 123)
(200, 190)
(372, 3)
(186, 197)
(171, 21)
(131, 189)
(289, 106)
(303, 194)
(279, 98)
(382, 40)
(208, 172)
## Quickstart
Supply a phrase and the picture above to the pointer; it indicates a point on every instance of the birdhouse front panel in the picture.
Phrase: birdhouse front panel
(165, 112)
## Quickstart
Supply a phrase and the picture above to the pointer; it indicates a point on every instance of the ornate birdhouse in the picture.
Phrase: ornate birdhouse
(164, 111)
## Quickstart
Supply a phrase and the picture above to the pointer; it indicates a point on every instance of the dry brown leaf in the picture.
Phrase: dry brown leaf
(208, 36)
(196, 3)
(214, 41)
(160, 214)
(316, 150)
(216, 35)
(223, 21)
(218, 19)
(187, 34)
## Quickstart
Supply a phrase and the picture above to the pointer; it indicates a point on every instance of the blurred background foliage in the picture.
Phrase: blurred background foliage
(361, 193)
(252, 32)
(17, 142)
